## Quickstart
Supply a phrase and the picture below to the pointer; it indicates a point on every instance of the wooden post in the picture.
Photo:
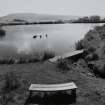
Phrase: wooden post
(30, 95)
(28, 98)
(73, 94)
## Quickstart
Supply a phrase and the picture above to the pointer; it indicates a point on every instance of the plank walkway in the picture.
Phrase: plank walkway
(67, 55)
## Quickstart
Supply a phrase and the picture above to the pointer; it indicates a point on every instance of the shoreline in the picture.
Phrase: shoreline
(15, 24)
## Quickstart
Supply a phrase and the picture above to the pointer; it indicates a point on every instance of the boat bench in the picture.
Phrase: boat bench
(53, 88)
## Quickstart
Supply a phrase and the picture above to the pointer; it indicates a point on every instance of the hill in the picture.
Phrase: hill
(30, 17)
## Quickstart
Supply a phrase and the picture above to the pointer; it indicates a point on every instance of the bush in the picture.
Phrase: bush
(63, 64)
(79, 45)
(95, 56)
(48, 55)
(92, 57)
(98, 69)
(91, 50)
(88, 53)
(11, 82)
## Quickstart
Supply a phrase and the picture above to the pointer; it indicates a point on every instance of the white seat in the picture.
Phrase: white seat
(52, 87)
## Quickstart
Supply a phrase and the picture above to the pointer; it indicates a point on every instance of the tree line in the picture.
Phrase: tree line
(91, 19)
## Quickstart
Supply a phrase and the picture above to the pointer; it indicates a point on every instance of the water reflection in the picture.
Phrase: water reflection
(2, 33)
(37, 38)
(2, 37)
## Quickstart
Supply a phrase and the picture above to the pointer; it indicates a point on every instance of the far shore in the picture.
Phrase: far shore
(49, 22)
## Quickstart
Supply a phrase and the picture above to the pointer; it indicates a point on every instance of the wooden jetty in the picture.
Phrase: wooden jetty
(67, 55)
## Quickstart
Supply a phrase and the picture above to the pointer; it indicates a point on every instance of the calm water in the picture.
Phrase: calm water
(60, 38)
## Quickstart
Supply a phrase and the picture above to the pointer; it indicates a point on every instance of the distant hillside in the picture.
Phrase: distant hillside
(30, 17)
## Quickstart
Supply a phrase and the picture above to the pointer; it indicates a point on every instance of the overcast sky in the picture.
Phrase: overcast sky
(63, 7)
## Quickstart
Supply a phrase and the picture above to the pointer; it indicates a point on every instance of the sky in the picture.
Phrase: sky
(60, 7)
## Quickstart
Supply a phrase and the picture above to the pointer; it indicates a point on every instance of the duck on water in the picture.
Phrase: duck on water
(35, 36)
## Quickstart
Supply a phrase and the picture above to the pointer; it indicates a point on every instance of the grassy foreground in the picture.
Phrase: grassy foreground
(90, 90)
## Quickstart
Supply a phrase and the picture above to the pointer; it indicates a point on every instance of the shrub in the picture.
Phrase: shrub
(11, 82)
(94, 68)
(92, 57)
(48, 55)
(21, 60)
(98, 70)
(91, 50)
(89, 53)
(95, 56)
(79, 45)
(63, 64)
(101, 71)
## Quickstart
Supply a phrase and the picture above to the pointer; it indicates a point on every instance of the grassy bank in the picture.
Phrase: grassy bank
(47, 73)
(28, 59)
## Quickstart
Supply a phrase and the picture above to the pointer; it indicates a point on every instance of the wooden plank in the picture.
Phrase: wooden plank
(52, 87)
(70, 54)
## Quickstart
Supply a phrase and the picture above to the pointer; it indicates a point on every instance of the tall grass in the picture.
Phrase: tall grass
(19, 60)
(48, 54)
(11, 82)
(28, 59)
(79, 45)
